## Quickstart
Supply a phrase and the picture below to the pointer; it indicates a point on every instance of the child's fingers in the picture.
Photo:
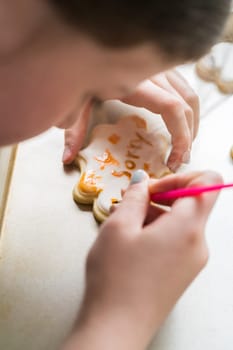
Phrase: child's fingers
(173, 182)
(74, 136)
(154, 212)
(204, 202)
(161, 101)
(181, 86)
(191, 213)
(132, 210)
(170, 85)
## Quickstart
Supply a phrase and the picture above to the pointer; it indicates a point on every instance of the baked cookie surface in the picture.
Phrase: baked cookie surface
(114, 152)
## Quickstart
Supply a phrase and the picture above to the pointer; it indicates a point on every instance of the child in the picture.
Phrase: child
(56, 58)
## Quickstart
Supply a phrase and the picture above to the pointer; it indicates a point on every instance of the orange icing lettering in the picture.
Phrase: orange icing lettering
(143, 139)
(121, 173)
(88, 182)
(146, 166)
(130, 164)
(114, 138)
(135, 143)
(131, 155)
(140, 123)
(106, 159)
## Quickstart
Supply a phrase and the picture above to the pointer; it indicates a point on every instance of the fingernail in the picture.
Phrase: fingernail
(186, 157)
(66, 154)
(138, 176)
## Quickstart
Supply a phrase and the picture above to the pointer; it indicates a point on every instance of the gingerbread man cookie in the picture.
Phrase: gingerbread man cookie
(114, 152)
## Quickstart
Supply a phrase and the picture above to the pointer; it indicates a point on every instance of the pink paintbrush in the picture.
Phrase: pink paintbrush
(187, 192)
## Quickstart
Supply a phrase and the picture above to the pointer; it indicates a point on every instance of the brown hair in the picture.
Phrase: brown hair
(184, 29)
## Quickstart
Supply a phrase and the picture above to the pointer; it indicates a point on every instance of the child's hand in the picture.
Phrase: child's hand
(171, 96)
(75, 135)
(167, 94)
(135, 271)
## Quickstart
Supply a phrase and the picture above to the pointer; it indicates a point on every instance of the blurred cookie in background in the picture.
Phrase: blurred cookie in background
(217, 65)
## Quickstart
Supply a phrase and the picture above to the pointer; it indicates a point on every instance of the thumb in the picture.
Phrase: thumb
(134, 206)
(74, 136)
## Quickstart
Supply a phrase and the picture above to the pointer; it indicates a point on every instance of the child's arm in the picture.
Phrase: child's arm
(167, 94)
(136, 272)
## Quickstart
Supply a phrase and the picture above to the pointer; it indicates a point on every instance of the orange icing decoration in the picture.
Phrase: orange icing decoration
(131, 155)
(114, 138)
(140, 123)
(130, 164)
(106, 159)
(121, 173)
(146, 166)
(88, 181)
(143, 139)
(135, 143)
(114, 200)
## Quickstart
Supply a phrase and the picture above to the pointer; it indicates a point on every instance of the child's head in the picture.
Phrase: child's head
(54, 54)
(183, 29)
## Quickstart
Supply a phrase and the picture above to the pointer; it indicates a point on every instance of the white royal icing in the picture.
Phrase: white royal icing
(134, 145)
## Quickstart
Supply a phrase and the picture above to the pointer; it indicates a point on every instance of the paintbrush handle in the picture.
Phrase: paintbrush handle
(187, 192)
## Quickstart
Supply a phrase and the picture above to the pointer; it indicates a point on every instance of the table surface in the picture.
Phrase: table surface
(45, 239)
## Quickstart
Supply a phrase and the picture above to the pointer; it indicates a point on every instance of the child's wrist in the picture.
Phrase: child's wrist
(107, 328)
